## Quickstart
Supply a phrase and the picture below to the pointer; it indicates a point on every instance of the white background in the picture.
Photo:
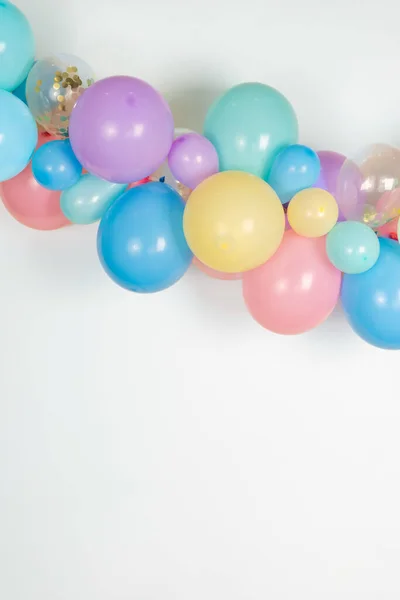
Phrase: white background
(166, 447)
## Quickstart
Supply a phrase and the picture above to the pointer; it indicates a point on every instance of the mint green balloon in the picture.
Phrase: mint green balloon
(88, 200)
(248, 126)
(352, 247)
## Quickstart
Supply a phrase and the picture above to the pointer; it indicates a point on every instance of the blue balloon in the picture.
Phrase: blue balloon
(140, 241)
(294, 169)
(18, 135)
(17, 47)
(371, 300)
(55, 166)
(248, 126)
(88, 200)
(20, 91)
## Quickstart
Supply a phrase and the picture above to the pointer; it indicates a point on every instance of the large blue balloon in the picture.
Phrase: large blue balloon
(371, 300)
(55, 166)
(295, 168)
(18, 135)
(140, 241)
(17, 47)
(248, 126)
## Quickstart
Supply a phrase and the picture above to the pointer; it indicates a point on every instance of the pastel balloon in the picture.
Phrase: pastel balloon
(20, 91)
(17, 47)
(331, 163)
(216, 274)
(192, 159)
(140, 239)
(371, 300)
(389, 230)
(233, 222)
(295, 168)
(296, 289)
(248, 126)
(88, 200)
(18, 135)
(55, 166)
(352, 247)
(31, 204)
(312, 212)
(121, 129)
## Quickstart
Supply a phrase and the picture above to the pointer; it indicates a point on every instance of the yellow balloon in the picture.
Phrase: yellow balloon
(233, 222)
(312, 212)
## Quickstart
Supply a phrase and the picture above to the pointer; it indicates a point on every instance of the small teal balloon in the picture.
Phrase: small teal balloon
(55, 166)
(371, 300)
(295, 168)
(17, 47)
(20, 91)
(88, 200)
(140, 241)
(352, 247)
(248, 126)
(18, 135)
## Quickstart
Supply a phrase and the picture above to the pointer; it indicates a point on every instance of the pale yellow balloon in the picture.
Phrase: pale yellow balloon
(312, 212)
(233, 222)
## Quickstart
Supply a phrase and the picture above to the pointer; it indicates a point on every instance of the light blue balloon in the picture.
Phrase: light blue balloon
(140, 241)
(249, 125)
(87, 201)
(20, 91)
(295, 168)
(18, 135)
(55, 166)
(352, 247)
(17, 47)
(371, 300)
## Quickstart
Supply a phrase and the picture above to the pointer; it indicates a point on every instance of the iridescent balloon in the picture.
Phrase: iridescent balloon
(53, 86)
(164, 174)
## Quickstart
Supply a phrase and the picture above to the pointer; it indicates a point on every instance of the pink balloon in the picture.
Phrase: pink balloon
(30, 203)
(389, 230)
(216, 274)
(296, 289)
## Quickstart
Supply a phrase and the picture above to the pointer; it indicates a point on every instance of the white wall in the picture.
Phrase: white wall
(166, 447)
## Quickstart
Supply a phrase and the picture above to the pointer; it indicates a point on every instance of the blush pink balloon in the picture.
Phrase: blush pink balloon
(31, 204)
(389, 230)
(216, 274)
(296, 289)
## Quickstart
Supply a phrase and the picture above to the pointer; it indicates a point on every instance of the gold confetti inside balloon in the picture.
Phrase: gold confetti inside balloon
(164, 173)
(53, 86)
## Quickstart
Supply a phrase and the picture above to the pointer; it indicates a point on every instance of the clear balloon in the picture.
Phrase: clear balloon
(53, 87)
(296, 290)
(192, 159)
(352, 247)
(295, 168)
(17, 47)
(87, 201)
(121, 129)
(368, 185)
(216, 274)
(312, 212)
(140, 240)
(18, 135)
(248, 126)
(233, 222)
(55, 166)
(371, 300)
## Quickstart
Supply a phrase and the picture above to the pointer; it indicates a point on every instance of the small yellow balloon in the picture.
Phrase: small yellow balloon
(233, 222)
(312, 212)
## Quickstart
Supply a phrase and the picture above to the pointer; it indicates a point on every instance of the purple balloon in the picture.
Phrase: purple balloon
(331, 163)
(121, 129)
(192, 159)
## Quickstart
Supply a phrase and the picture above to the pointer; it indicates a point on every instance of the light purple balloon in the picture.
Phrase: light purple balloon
(121, 129)
(331, 163)
(192, 159)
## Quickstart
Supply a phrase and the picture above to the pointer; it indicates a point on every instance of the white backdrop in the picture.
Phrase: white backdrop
(166, 447)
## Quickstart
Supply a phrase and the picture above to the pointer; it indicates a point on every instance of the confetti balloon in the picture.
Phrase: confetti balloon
(53, 86)
(368, 186)
(312, 212)
(17, 47)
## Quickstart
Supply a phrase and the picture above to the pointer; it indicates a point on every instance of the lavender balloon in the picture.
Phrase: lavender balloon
(121, 129)
(331, 163)
(192, 159)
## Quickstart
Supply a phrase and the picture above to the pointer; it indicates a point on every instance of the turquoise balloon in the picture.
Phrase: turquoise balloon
(17, 47)
(88, 200)
(248, 126)
(18, 135)
(352, 247)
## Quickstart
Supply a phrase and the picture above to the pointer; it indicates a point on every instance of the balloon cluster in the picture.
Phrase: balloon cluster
(301, 229)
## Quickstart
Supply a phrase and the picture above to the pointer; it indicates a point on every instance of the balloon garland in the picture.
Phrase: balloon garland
(301, 229)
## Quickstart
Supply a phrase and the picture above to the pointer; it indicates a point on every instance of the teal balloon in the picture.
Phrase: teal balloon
(17, 47)
(248, 126)
(20, 91)
(352, 247)
(88, 200)
(18, 135)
